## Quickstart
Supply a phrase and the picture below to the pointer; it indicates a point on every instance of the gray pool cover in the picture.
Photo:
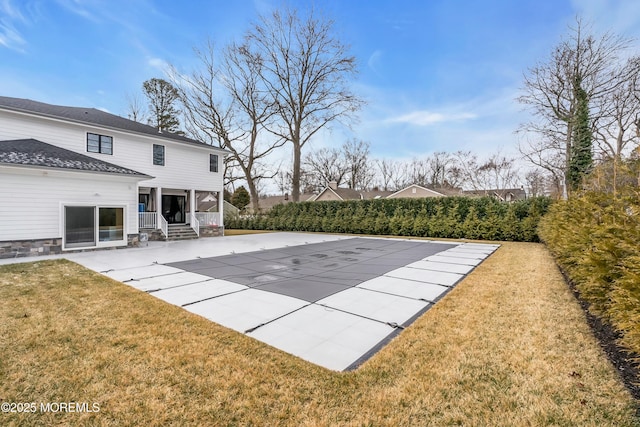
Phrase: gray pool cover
(334, 303)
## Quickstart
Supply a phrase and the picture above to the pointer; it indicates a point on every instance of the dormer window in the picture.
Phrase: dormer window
(99, 143)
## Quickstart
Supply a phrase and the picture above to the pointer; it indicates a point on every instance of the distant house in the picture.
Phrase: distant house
(333, 192)
(415, 191)
(376, 194)
(505, 195)
(75, 178)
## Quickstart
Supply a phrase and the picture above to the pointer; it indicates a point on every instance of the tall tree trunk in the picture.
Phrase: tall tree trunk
(295, 184)
(253, 192)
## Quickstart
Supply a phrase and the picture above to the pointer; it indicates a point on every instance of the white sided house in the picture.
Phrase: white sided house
(79, 178)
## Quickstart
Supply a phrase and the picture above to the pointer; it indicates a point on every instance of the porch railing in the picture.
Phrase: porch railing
(208, 218)
(147, 220)
(195, 224)
(164, 226)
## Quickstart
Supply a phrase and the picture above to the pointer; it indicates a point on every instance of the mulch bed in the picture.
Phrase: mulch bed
(625, 361)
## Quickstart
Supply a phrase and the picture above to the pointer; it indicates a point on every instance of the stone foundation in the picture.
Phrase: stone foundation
(29, 248)
(211, 231)
(153, 235)
(24, 248)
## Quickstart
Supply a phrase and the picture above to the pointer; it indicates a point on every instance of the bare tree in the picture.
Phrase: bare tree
(550, 90)
(228, 104)
(135, 108)
(306, 70)
(618, 122)
(443, 170)
(323, 166)
(162, 97)
(360, 171)
(497, 172)
(418, 172)
(392, 174)
(536, 183)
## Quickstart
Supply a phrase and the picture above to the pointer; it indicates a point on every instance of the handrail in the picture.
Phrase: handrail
(195, 224)
(164, 226)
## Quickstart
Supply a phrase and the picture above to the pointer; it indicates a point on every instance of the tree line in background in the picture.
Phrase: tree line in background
(352, 166)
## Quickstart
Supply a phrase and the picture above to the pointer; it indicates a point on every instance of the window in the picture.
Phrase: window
(111, 224)
(99, 143)
(213, 163)
(158, 155)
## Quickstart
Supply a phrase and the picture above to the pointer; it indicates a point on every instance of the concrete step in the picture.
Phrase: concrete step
(181, 232)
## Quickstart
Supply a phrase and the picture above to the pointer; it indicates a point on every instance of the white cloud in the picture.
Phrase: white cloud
(374, 61)
(159, 64)
(427, 118)
(10, 37)
(620, 16)
(79, 7)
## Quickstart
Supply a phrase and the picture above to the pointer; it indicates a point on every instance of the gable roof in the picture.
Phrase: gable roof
(92, 116)
(428, 190)
(31, 152)
(342, 193)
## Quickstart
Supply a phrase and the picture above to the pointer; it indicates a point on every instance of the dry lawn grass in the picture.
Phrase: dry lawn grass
(509, 346)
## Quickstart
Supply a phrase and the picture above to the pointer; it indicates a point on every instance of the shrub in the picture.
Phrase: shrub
(445, 217)
(595, 238)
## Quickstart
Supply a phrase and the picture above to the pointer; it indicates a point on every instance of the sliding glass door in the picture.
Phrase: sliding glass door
(90, 226)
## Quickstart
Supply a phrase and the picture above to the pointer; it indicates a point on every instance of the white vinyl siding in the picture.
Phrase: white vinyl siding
(33, 200)
(188, 167)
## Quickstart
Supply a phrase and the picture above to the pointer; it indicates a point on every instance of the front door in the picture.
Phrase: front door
(173, 209)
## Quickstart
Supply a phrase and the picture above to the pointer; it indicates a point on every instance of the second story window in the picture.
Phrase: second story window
(99, 143)
(213, 163)
(158, 155)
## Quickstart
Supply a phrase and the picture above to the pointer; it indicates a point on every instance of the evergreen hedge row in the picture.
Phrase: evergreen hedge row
(441, 217)
(595, 238)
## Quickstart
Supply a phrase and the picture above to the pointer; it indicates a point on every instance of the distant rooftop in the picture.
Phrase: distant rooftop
(31, 152)
(91, 116)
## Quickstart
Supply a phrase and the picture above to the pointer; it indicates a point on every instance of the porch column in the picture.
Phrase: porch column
(158, 206)
(221, 210)
(192, 203)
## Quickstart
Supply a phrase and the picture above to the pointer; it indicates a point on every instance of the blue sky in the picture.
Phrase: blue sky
(438, 75)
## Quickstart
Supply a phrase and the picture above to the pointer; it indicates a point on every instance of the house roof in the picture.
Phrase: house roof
(430, 190)
(94, 117)
(376, 194)
(342, 193)
(31, 152)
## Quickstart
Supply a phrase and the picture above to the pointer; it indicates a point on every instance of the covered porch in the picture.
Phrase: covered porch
(174, 212)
